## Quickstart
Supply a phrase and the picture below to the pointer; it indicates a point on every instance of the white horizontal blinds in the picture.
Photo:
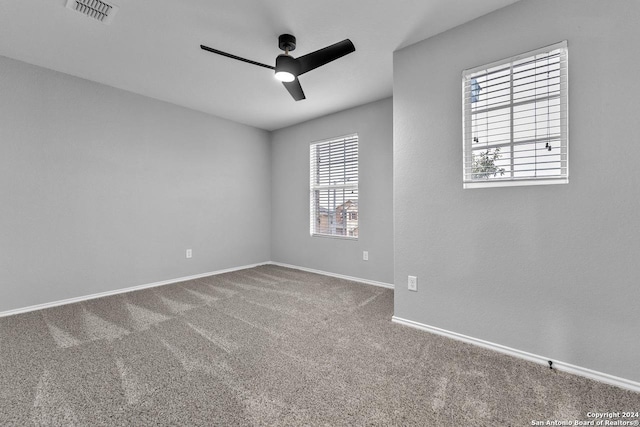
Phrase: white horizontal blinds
(515, 118)
(334, 187)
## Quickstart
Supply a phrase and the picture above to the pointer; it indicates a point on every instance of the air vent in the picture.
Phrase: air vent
(96, 9)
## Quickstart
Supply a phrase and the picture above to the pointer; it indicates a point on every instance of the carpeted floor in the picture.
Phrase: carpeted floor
(268, 346)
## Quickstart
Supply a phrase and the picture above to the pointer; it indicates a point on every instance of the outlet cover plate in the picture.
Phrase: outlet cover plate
(413, 283)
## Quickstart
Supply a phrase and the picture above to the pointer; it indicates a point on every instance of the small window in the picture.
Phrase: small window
(334, 187)
(515, 120)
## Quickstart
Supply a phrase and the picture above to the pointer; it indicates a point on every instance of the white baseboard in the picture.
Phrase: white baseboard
(561, 366)
(123, 290)
(339, 276)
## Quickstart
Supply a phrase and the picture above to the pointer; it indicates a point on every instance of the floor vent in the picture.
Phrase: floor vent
(96, 9)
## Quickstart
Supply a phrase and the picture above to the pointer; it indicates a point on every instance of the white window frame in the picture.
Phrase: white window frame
(468, 82)
(315, 186)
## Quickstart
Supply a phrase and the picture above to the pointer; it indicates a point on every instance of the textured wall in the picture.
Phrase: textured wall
(552, 270)
(291, 242)
(103, 189)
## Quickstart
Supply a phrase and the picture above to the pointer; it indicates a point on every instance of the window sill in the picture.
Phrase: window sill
(513, 183)
(333, 236)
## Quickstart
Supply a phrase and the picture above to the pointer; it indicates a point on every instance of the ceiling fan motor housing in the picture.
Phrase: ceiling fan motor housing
(287, 42)
(288, 64)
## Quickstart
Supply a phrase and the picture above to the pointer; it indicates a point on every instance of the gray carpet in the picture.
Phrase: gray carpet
(268, 346)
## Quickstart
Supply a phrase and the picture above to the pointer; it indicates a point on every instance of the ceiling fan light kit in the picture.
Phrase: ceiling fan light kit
(288, 68)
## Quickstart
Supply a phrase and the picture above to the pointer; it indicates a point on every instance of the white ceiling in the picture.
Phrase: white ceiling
(152, 48)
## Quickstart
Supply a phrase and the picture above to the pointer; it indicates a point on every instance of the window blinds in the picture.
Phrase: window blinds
(515, 120)
(334, 187)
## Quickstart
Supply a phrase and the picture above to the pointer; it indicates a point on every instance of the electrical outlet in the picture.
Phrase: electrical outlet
(413, 283)
(189, 253)
(365, 255)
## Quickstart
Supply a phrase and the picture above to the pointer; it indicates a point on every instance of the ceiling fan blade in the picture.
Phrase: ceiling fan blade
(228, 55)
(325, 55)
(295, 89)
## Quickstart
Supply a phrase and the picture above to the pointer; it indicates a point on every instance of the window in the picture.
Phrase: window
(515, 115)
(334, 187)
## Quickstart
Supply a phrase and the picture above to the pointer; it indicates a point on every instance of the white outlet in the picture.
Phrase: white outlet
(189, 253)
(413, 283)
(365, 255)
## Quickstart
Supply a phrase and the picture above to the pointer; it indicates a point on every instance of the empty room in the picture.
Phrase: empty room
(296, 213)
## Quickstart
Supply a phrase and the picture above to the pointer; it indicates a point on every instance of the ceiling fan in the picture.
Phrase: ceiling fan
(288, 68)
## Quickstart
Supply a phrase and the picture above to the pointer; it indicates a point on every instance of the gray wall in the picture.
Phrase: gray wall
(291, 242)
(103, 189)
(552, 270)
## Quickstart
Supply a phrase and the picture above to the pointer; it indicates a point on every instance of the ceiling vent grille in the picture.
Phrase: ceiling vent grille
(96, 9)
